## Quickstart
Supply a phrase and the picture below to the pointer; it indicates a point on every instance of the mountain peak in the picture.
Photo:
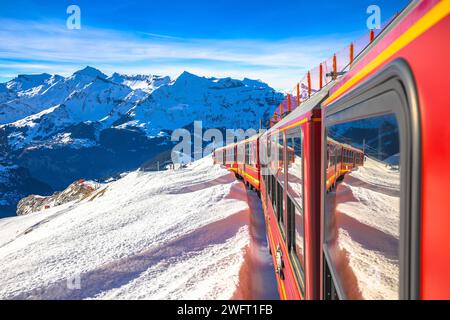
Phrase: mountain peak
(91, 72)
(187, 75)
(26, 81)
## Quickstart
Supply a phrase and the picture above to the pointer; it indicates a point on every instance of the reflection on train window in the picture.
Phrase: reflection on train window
(363, 207)
(247, 153)
(274, 154)
(273, 192)
(230, 155)
(280, 205)
(281, 158)
(294, 158)
(262, 160)
(297, 244)
(253, 153)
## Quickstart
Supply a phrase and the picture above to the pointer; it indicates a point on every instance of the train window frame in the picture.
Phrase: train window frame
(254, 153)
(273, 193)
(290, 133)
(247, 153)
(280, 211)
(283, 219)
(376, 96)
(291, 228)
(281, 157)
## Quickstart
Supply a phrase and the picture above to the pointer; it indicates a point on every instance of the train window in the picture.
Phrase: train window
(328, 156)
(273, 193)
(247, 153)
(274, 154)
(294, 154)
(280, 205)
(230, 154)
(362, 210)
(253, 153)
(297, 239)
(294, 160)
(263, 152)
(281, 157)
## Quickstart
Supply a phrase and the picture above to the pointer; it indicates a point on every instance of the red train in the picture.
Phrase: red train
(354, 181)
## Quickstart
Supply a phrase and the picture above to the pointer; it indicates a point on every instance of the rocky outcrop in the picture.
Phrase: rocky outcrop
(77, 191)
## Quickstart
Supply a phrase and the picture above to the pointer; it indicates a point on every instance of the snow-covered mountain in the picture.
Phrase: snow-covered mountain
(46, 105)
(219, 103)
(89, 125)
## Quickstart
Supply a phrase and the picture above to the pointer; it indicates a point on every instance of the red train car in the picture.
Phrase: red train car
(243, 159)
(353, 182)
(395, 209)
(290, 193)
(248, 166)
(226, 156)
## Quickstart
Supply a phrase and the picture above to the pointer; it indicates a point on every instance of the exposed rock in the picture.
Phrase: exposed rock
(77, 191)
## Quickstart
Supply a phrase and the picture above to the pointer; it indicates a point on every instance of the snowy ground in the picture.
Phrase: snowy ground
(177, 234)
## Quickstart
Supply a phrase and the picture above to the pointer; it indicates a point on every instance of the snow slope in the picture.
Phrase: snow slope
(150, 235)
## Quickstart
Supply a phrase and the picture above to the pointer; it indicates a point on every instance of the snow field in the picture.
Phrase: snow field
(150, 235)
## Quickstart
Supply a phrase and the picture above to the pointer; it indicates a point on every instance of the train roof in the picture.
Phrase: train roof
(305, 107)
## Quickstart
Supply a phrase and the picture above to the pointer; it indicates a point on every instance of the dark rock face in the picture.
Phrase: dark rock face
(116, 151)
(16, 183)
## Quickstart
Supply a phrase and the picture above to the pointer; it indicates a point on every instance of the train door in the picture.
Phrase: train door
(370, 221)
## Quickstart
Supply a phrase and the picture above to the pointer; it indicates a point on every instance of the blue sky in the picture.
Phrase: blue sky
(275, 41)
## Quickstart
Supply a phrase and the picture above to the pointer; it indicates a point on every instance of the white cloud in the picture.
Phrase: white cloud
(50, 47)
